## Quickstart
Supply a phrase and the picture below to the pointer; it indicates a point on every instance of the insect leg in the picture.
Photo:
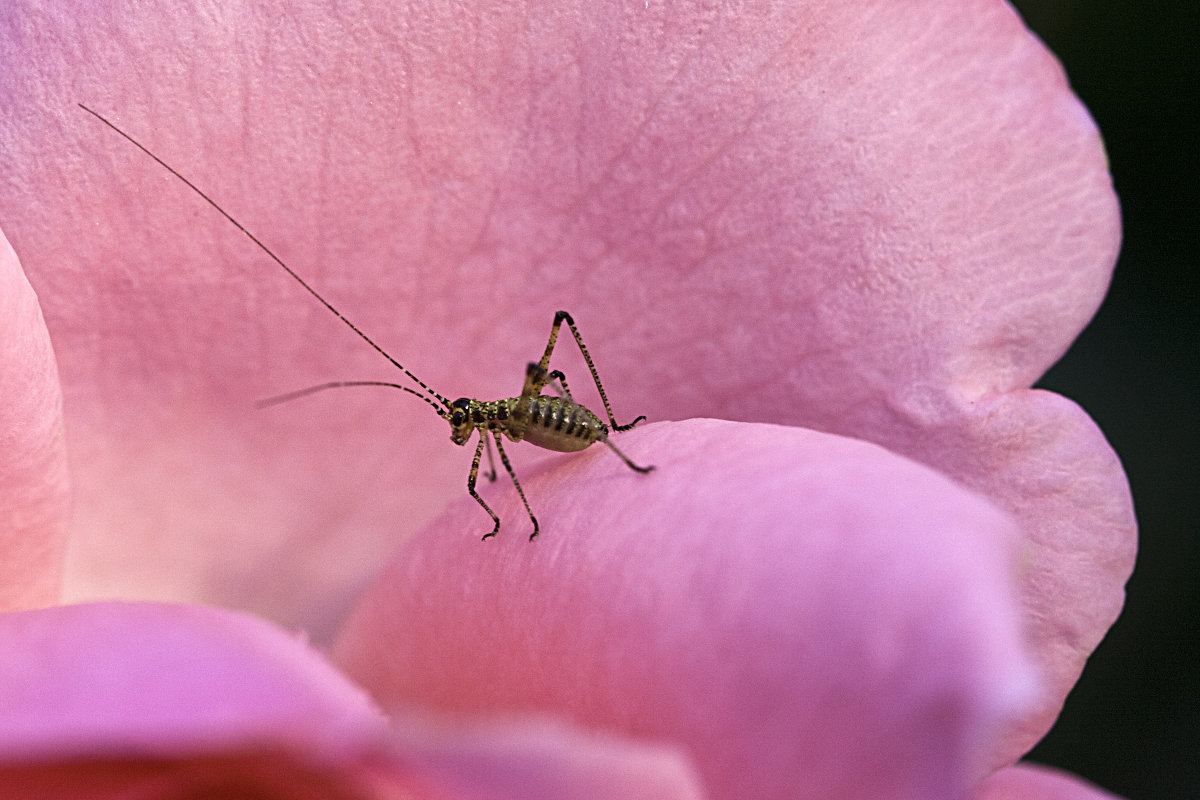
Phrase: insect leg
(559, 381)
(545, 364)
(625, 458)
(535, 380)
(491, 473)
(516, 483)
(471, 485)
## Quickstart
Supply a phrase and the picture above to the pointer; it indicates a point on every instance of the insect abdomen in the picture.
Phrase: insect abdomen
(558, 424)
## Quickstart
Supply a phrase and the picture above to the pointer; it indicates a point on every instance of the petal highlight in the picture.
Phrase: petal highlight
(145, 680)
(34, 483)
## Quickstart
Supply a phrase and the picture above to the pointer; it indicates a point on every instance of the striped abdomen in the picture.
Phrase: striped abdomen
(556, 423)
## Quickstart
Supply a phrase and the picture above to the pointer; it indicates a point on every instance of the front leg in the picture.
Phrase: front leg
(474, 476)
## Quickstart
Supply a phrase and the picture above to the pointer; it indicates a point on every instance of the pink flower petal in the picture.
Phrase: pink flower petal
(790, 606)
(123, 700)
(1042, 459)
(877, 219)
(34, 503)
(153, 681)
(1033, 782)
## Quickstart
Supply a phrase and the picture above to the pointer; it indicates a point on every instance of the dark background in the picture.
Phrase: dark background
(1132, 725)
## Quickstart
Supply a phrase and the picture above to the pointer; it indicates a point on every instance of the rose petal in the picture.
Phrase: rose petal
(1033, 782)
(879, 217)
(34, 501)
(873, 197)
(109, 700)
(1043, 460)
(154, 681)
(788, 605)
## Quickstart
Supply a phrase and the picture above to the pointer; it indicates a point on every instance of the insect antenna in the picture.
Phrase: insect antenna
(445, 404)
(275, 400)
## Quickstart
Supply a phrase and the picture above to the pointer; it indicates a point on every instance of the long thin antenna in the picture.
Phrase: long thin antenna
(279, 261)
(320, 387)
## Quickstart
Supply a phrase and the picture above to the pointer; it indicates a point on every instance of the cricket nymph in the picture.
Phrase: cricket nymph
(551, 422)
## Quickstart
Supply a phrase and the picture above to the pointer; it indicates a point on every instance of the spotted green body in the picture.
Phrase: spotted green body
(552, 423)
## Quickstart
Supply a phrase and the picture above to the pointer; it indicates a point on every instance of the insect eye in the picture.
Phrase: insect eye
(459, 413)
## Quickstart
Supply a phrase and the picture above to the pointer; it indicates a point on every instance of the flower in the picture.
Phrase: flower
(873, 220)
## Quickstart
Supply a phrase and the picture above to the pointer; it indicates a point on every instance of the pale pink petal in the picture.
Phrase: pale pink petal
(874, 218)
(789, 606)
(1042, 459)
(132, 700)
(1033, 782)
(34, 503)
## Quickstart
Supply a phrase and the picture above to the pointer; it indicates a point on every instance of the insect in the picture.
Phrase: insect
(551, 422)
